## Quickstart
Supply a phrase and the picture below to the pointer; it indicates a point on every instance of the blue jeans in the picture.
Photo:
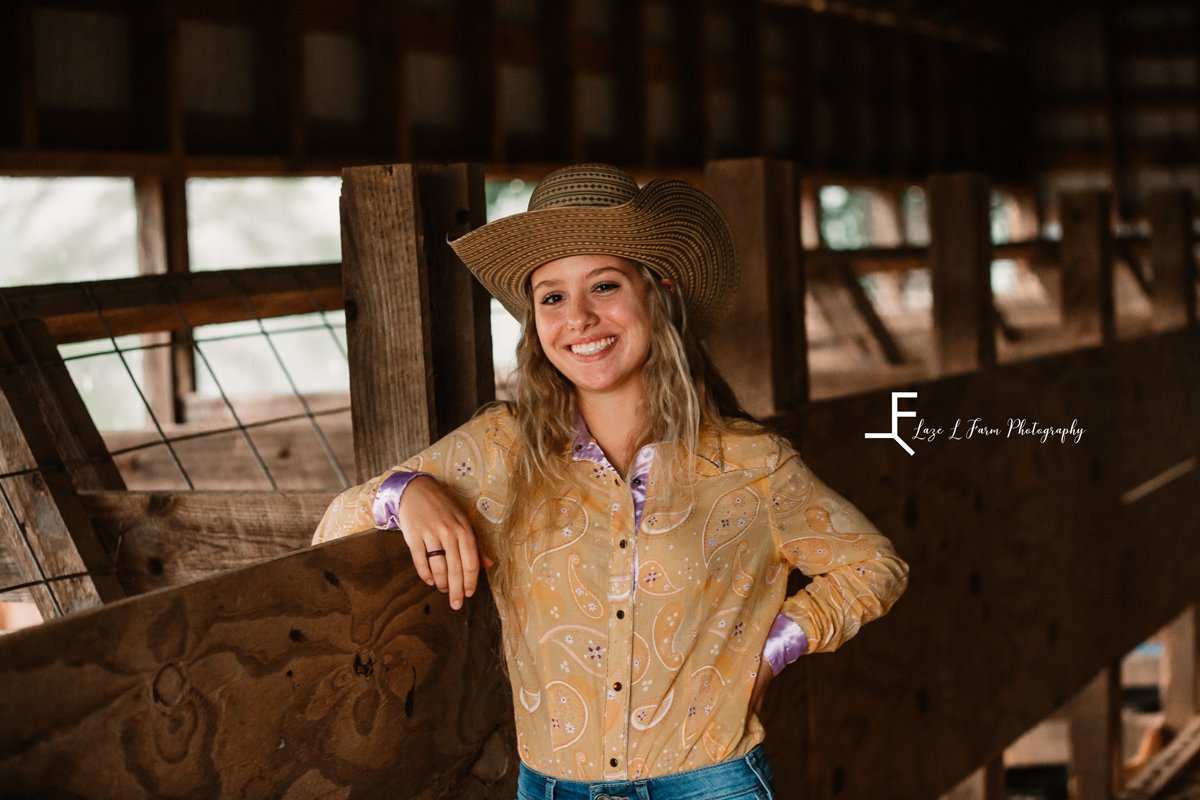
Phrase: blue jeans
(746, 778)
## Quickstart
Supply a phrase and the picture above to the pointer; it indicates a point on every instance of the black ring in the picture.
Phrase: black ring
(429, 554)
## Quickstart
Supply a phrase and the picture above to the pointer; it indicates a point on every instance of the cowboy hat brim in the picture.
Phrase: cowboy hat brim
(669, 226)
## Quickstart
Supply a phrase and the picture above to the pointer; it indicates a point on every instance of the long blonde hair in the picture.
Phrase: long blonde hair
(684, 396)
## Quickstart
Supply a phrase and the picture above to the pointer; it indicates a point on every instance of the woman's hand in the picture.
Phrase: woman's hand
(765, 673)
(430, 520)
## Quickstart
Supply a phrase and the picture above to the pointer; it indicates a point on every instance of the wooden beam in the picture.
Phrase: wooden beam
(866, 309)
(27, 79)
(169, 538)
(960, 267)
(143, 304)
(1178, 671)
(161, 203)
(42, 520)
(1172, 258)
(388, 323)
(761, 347)
(331, 670)
(78, 444)
(1097, 758)
(453, 202)
(1086, 258)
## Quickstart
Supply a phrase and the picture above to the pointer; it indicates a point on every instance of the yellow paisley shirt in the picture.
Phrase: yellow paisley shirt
(617, 676)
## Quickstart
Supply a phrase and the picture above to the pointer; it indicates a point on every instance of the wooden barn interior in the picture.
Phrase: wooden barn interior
(991, 206)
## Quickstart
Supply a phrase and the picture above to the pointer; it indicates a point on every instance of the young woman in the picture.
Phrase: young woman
(636, 526)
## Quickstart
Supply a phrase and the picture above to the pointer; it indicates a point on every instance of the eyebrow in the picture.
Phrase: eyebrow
(592, 274)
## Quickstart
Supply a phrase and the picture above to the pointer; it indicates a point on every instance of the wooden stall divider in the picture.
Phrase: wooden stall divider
(761, 347)
(1086, 264)
(1178, 671)
(960, 270)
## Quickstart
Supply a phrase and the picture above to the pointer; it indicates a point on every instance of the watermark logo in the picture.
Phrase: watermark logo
(975, 427)
(896, 415)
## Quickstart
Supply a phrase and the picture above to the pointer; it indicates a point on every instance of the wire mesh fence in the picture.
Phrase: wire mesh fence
(225, 437)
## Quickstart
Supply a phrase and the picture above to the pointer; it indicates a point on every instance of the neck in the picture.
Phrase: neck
(615, 420)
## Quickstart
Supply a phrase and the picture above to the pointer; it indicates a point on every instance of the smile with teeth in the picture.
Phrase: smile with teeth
(592, 347)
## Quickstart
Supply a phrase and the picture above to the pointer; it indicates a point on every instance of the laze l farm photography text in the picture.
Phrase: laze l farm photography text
(970, 428)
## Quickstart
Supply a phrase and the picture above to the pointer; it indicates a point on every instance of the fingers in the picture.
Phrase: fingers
(469, 552)
(417, 550)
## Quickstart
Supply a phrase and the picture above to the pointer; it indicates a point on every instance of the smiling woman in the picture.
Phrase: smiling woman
(622, 498)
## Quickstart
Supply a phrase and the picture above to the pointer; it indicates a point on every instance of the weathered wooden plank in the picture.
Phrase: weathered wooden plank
(168, 538)
(453, 202)
(960, 270)
(334, 670)
(1028, 572)
(1097, 758)
(78, 444)
(388, 325)
(1086, 259)
(53, 528)
(142, 304)
(761, 346)
(1172, 258)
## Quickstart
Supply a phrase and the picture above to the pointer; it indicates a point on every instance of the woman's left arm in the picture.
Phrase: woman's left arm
(856, 573)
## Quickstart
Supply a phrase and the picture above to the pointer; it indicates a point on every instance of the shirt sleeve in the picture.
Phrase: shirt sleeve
(465, 461)
(856, 573)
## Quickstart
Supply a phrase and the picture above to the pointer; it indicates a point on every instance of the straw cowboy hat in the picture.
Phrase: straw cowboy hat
(669, 226)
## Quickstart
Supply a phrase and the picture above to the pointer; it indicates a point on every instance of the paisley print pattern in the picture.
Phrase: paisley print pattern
(666, 625)
(654, 578)
(641, 645)
(568, 714)
(732, 515)
(585, 599)
(565, 518)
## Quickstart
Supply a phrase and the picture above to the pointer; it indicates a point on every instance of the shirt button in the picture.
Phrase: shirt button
(617, 686)
(623, 543)
(620, 614)
(578, 447)
(637, 481)
(612, 762)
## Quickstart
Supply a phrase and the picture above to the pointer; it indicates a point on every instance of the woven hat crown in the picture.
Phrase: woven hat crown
(584, 186)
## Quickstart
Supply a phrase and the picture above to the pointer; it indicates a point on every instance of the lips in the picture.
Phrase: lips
(593, 347)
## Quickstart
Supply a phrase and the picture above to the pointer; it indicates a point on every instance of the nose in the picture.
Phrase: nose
(581, 315)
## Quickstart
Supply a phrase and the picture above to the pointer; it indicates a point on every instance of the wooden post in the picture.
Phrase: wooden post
(1097, 760)
(1085, 256)
(761, 347)
(400, 333)
(1172, 258)
(960, 267)
(453, 202)
(387, 316)
(163, 249)
(1178, 671)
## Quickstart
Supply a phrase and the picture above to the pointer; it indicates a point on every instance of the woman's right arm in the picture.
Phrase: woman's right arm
(432, 514)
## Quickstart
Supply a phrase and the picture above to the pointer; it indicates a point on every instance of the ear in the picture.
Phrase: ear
(670, 284)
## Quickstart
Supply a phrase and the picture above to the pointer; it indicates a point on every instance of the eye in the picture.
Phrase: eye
(607, 286)
(551, 298)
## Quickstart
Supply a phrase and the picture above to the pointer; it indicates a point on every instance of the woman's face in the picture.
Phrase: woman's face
(592, 318)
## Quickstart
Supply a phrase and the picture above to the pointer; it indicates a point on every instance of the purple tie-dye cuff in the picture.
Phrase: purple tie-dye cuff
(785, 643)
(387, 498)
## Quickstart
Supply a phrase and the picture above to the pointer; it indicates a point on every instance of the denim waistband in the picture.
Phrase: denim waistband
(729, 778)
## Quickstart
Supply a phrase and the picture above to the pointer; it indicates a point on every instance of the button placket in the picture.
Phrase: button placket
(620, 638)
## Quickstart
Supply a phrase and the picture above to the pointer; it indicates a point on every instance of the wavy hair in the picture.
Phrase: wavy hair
(684, 397)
